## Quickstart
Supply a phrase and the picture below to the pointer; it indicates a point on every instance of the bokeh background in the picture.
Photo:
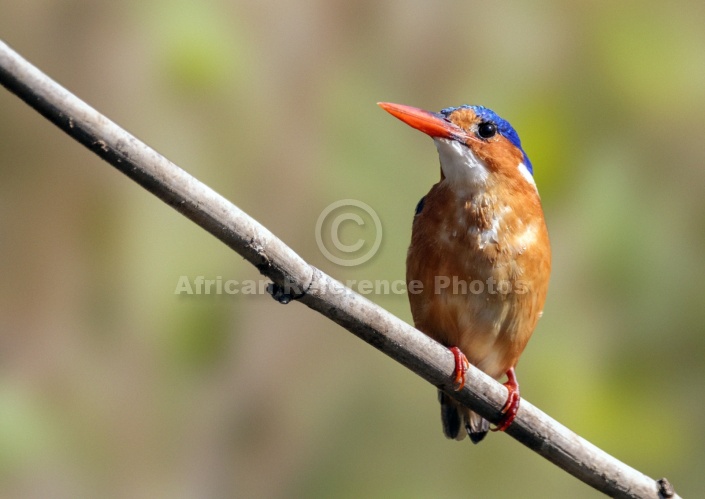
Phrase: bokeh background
(112, 385)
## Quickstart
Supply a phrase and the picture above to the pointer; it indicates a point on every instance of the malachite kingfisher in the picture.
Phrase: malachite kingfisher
(479, 262)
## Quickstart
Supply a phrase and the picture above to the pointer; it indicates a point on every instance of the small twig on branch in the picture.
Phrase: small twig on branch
(317, 290)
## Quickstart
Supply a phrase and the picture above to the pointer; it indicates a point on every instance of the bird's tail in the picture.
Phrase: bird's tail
(458, 420)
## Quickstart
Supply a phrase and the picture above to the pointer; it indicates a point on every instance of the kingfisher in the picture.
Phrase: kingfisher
(478, 266)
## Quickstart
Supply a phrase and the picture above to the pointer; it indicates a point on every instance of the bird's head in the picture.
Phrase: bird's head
(475, 145)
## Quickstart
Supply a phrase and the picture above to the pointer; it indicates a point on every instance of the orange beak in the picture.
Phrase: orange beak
(432, 124)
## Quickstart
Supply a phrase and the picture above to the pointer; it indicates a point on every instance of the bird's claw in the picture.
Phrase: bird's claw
(511, 406)
(461, 367)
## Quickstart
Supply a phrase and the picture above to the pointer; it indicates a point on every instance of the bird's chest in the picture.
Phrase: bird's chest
(480, 236)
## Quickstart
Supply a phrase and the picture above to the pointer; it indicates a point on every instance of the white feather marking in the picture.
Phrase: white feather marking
(526, 174)
(491, 235)
(526, 238)
(459, 163)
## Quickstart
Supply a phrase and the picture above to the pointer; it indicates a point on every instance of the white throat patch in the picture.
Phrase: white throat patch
(459, 163)
(461, 167)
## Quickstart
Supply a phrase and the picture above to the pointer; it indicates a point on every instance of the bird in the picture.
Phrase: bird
(479, 262)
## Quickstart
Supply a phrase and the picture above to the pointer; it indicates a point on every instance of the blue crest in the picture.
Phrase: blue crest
(503, 126)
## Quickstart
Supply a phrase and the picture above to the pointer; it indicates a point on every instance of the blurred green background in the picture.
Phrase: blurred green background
(111, 385)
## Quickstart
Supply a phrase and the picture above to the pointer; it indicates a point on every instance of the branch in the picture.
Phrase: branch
(276, 260)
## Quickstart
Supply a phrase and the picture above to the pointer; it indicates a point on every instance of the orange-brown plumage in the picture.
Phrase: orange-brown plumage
(511, 274)
(479, 253)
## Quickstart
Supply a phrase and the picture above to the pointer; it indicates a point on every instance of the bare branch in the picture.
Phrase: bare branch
(319, 291)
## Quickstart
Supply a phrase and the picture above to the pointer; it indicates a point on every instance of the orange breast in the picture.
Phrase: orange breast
(478, 270)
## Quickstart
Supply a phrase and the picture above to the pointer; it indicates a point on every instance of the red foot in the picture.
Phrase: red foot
(461, 367)
(511, 406)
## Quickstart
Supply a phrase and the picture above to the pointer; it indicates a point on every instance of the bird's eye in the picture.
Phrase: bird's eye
(486, 129)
